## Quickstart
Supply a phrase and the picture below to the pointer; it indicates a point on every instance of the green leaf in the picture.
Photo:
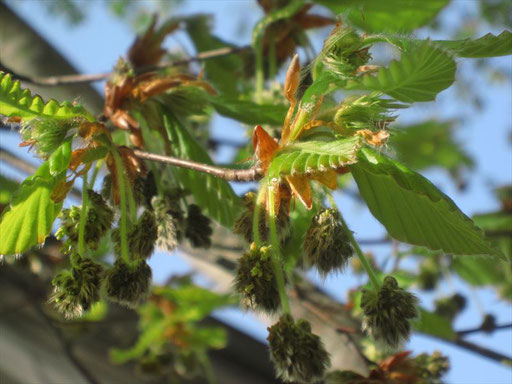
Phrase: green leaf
(390, 15)
(209, 337)
(249, 112)
(413, 210)
(15, 101)
(223, 72)
(311, 156)
(479, 271)
(30, 216)
(59, 160)
(422, 72)
(432, 324)
(212, 194)
(486, 46)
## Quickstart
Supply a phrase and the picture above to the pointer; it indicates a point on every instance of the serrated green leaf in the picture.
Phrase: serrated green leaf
(212, 194)
(432, 324)
(249, 112)
(15, 101)
(59, 160)
(422, 72)
(313, 156)
(413, 210)
(479, 271)
(30, 216)
(486, 46)
(390, 15)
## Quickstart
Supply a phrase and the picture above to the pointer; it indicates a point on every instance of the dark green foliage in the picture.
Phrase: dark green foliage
(326, 244)
(128, 284)
(388, 312)
(298, 354)
(243, 225)
(198, 228)
(76, 289)
(255, 279)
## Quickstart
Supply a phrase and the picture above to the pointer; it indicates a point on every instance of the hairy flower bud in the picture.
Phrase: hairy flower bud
(47, 133)
(326, 244)
(76, 289)
(255, 279)
(429, 275)
(298, 354)
(128, 284)
(450, 307)
(99, 220)
(170, 222)
(141, 237)
(432, 367)
(243, 224)
(198, 228)
(388, 312)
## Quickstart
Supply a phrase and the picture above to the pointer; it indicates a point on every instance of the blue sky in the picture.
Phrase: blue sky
(95, 45)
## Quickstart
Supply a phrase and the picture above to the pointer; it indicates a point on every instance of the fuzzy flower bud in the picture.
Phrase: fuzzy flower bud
(326, 244)
(298, 354)
(170, 222)
(141, 237)
(388, 312)
(76, 289)
(450, 307)
(99, 220)
(198, 228)
(255, 279)
(47, 134)
(432, 367)
(128, 284)
(243, 224)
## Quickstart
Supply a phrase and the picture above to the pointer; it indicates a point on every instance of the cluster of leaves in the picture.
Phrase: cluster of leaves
(319, 139)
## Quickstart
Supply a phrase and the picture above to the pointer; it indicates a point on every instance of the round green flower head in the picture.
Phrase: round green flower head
(76, 289)
(451, 306)
(255, 280)
(326, 244)
(243, 224)
(198, 228)
(388, 312)
(170, 222)
(298, 355)
(128, 284)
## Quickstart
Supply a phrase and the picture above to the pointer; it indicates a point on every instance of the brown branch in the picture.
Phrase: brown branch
(483, 329)
(87, 78)
(251, 174)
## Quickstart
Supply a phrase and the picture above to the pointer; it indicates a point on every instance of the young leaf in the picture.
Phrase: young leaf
(413, 210)
(314, 156)
(249, 112)
(212, 194)
(486, 46)
(29, 218)
(423, 72)
(433, 324)
(390, 15)
(15, 101)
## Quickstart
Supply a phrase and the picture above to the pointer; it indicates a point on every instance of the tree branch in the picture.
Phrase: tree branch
(251, 174)
(481, 329)
(87, 78)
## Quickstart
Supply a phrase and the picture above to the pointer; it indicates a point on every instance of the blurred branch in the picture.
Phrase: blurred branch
(87, 78)
(483, 329)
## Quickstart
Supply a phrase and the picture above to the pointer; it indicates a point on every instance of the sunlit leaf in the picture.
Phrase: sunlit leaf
(413, 210)
(249, 112)
(422, 72)
(29, 218)
(390, 15)
(486, 46)
(433, 324)
(16, 101)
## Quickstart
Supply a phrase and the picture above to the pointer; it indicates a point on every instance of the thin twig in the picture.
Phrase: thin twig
(251, 174)
(480, 329)
(89, 78)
